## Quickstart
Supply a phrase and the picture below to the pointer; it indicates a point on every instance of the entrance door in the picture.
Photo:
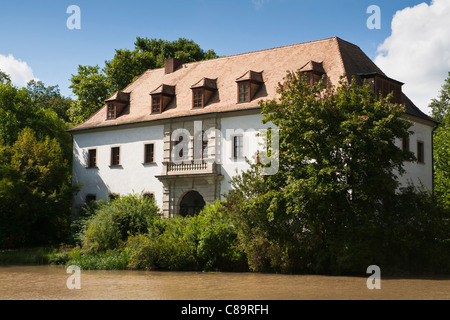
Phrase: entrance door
(191, 204)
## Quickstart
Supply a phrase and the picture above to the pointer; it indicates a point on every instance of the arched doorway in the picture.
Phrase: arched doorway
(191, 204)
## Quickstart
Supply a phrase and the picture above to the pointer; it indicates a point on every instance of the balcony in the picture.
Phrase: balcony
(189, 167)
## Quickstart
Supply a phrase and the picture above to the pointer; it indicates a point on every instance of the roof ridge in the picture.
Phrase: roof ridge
(243, 54)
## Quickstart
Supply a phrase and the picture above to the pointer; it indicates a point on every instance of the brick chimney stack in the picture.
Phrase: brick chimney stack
(171, 65)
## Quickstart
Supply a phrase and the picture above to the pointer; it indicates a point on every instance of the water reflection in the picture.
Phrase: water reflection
(50, 283)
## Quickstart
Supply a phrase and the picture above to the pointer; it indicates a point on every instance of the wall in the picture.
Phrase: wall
(249, 126)
(419, 173)
(132, 176)
(135, 177)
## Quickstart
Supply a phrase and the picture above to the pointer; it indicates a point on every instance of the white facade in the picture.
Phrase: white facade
(131, 176)
(169, 182)
(166, 181)
(419, 173)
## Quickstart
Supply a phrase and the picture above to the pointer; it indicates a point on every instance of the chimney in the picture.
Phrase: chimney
(171, 65)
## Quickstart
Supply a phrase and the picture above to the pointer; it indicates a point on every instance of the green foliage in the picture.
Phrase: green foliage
(171, 250)
(207, 241)
(441, 150)
(334, 205)
(35, 192)
(114, 221)
(49, 98)
(440, 106)
(134, 227)
(4, 77)
(441, 145)
(93, 85)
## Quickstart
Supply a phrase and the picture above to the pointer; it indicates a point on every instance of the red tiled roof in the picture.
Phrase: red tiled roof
(336, 56)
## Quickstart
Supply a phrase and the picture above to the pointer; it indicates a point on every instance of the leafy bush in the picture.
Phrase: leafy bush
(108, 260)
(114, 221)
(207, 241)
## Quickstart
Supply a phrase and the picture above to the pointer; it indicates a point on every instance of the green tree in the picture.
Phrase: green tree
(4, 77)
(441, 145)
(440, 106)
(49, 98)
(93, 85)
(330, 207)
(35, 166)
(35, 192)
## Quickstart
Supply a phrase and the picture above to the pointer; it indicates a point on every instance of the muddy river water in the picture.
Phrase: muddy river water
(54, 283)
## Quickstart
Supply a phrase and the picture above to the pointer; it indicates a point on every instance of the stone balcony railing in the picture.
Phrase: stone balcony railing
(189, 167)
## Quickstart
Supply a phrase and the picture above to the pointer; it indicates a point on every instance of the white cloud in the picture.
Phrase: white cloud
(418, 50)
(19, 71)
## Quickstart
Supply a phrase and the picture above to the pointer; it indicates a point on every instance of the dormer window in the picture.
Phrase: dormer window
(161, 97)
(156, 103)
(314, 71)
(117, 105)
(111, 111)
(197, 96)
(202, 92)
(383, 85)
(248, 85)
(244, 92)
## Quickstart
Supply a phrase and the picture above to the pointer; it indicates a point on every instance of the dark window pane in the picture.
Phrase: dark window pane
(92, 161)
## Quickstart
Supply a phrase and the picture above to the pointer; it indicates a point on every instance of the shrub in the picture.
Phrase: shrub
(116, 220)
(217, 247)
(207, 241)
(172, 249)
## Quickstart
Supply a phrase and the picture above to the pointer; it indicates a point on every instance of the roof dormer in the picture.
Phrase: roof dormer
(313, 70)
(202, 92)
(161, 97)
(383, 85)
(247, 85)
(116, 104)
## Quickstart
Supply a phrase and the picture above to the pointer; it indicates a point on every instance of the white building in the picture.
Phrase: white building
(181, 132)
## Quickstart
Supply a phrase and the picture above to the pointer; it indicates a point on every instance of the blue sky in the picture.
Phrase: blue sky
(35, 32)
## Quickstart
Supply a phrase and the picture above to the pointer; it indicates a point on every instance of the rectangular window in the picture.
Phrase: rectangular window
(90, 198)
(197, 96)
(244, 92)
(238, 146)
(111, 111)
(405, 144)
(149, 153)
(420, 152)
(92, 158)
(156, 104)
(201, 146)
(149, 195)
(183, 151)
(115, 156)
(113, 196)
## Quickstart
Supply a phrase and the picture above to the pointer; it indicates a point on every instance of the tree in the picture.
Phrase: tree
(4, 77)
(35, 192)
(49, 98)
(440, 107)
(32, 107)
(334, 204)
(441, 145)
(35, 166)
(93, 85)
